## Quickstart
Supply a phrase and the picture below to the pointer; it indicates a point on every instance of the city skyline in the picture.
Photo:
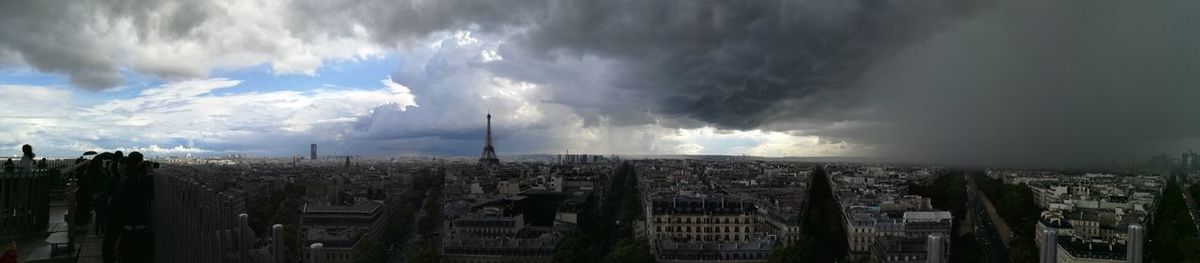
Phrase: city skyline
(975, 82)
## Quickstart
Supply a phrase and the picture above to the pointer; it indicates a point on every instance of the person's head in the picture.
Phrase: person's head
(119, 154)
(133, 161)
(27, 150)
(95, 165)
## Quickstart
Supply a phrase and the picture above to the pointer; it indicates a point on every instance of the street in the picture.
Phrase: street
(985, 232)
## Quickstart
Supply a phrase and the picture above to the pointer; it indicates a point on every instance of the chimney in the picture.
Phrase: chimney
(1049, 250)
(935, 248)
(1133, 246)
(315, 249)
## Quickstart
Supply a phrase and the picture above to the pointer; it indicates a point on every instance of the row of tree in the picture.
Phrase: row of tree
(824, 238)
(282, 206)
(425, 251)
(608, 224)
(1020, 211)
(1172, 237)
(402, 218)
(949, 192)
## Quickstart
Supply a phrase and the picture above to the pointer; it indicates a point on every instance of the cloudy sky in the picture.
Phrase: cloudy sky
(976, 81)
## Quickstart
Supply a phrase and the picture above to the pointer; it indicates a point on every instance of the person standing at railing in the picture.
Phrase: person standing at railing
(130, 208)
(27, 163)
(97, 178)
(108, 216)
(9, 166)
(115, 166)
(85, 194)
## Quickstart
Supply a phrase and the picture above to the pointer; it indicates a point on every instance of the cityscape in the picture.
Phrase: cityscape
(594, 208)
(393, 131)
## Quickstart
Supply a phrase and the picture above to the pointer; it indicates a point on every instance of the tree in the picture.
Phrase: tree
(368, 251)
(1172, 237)
(630, 252)
(824, 222)
(1017, 208)
(577, 247)
(422, 253)
(949, 192)
(794, 253)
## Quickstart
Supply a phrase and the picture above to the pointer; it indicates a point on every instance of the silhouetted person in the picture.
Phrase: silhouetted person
(27, 163)
(9, 166)
(110, 226)
(98, 178)
(42, 165)
(115, 167)
(85, 194)
(130, 207)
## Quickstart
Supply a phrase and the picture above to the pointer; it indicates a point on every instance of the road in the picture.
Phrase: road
(1193, 208)
(986, 235)
(1002, 228)
(396, 251)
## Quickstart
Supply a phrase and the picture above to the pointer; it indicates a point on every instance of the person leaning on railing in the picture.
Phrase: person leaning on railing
(90, 177)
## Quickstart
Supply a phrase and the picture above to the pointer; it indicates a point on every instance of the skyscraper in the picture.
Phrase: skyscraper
(314, 152)
(488, 157)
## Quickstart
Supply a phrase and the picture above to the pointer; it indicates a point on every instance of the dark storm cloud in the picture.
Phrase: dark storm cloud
(737, 64)
(970, 81)
(46, 36)
(733, 64)
(1047, 83)
(404, 20)
(999, 82)
(71, 38)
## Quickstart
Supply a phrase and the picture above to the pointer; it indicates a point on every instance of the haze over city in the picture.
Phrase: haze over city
(956, 82)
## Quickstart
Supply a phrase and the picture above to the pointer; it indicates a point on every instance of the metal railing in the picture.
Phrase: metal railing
(24, 200)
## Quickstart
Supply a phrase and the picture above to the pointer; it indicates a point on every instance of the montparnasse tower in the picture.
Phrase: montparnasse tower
(488, 158)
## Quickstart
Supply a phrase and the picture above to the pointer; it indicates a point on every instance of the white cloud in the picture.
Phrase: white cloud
(186, 111)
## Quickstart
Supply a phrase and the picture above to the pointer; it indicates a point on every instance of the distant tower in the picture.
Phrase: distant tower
(489, 153)
(313, 148)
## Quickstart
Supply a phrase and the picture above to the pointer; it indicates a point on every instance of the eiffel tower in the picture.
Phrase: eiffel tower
(488, 158)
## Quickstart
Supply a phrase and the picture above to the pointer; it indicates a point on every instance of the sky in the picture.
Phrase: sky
(950, 81)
